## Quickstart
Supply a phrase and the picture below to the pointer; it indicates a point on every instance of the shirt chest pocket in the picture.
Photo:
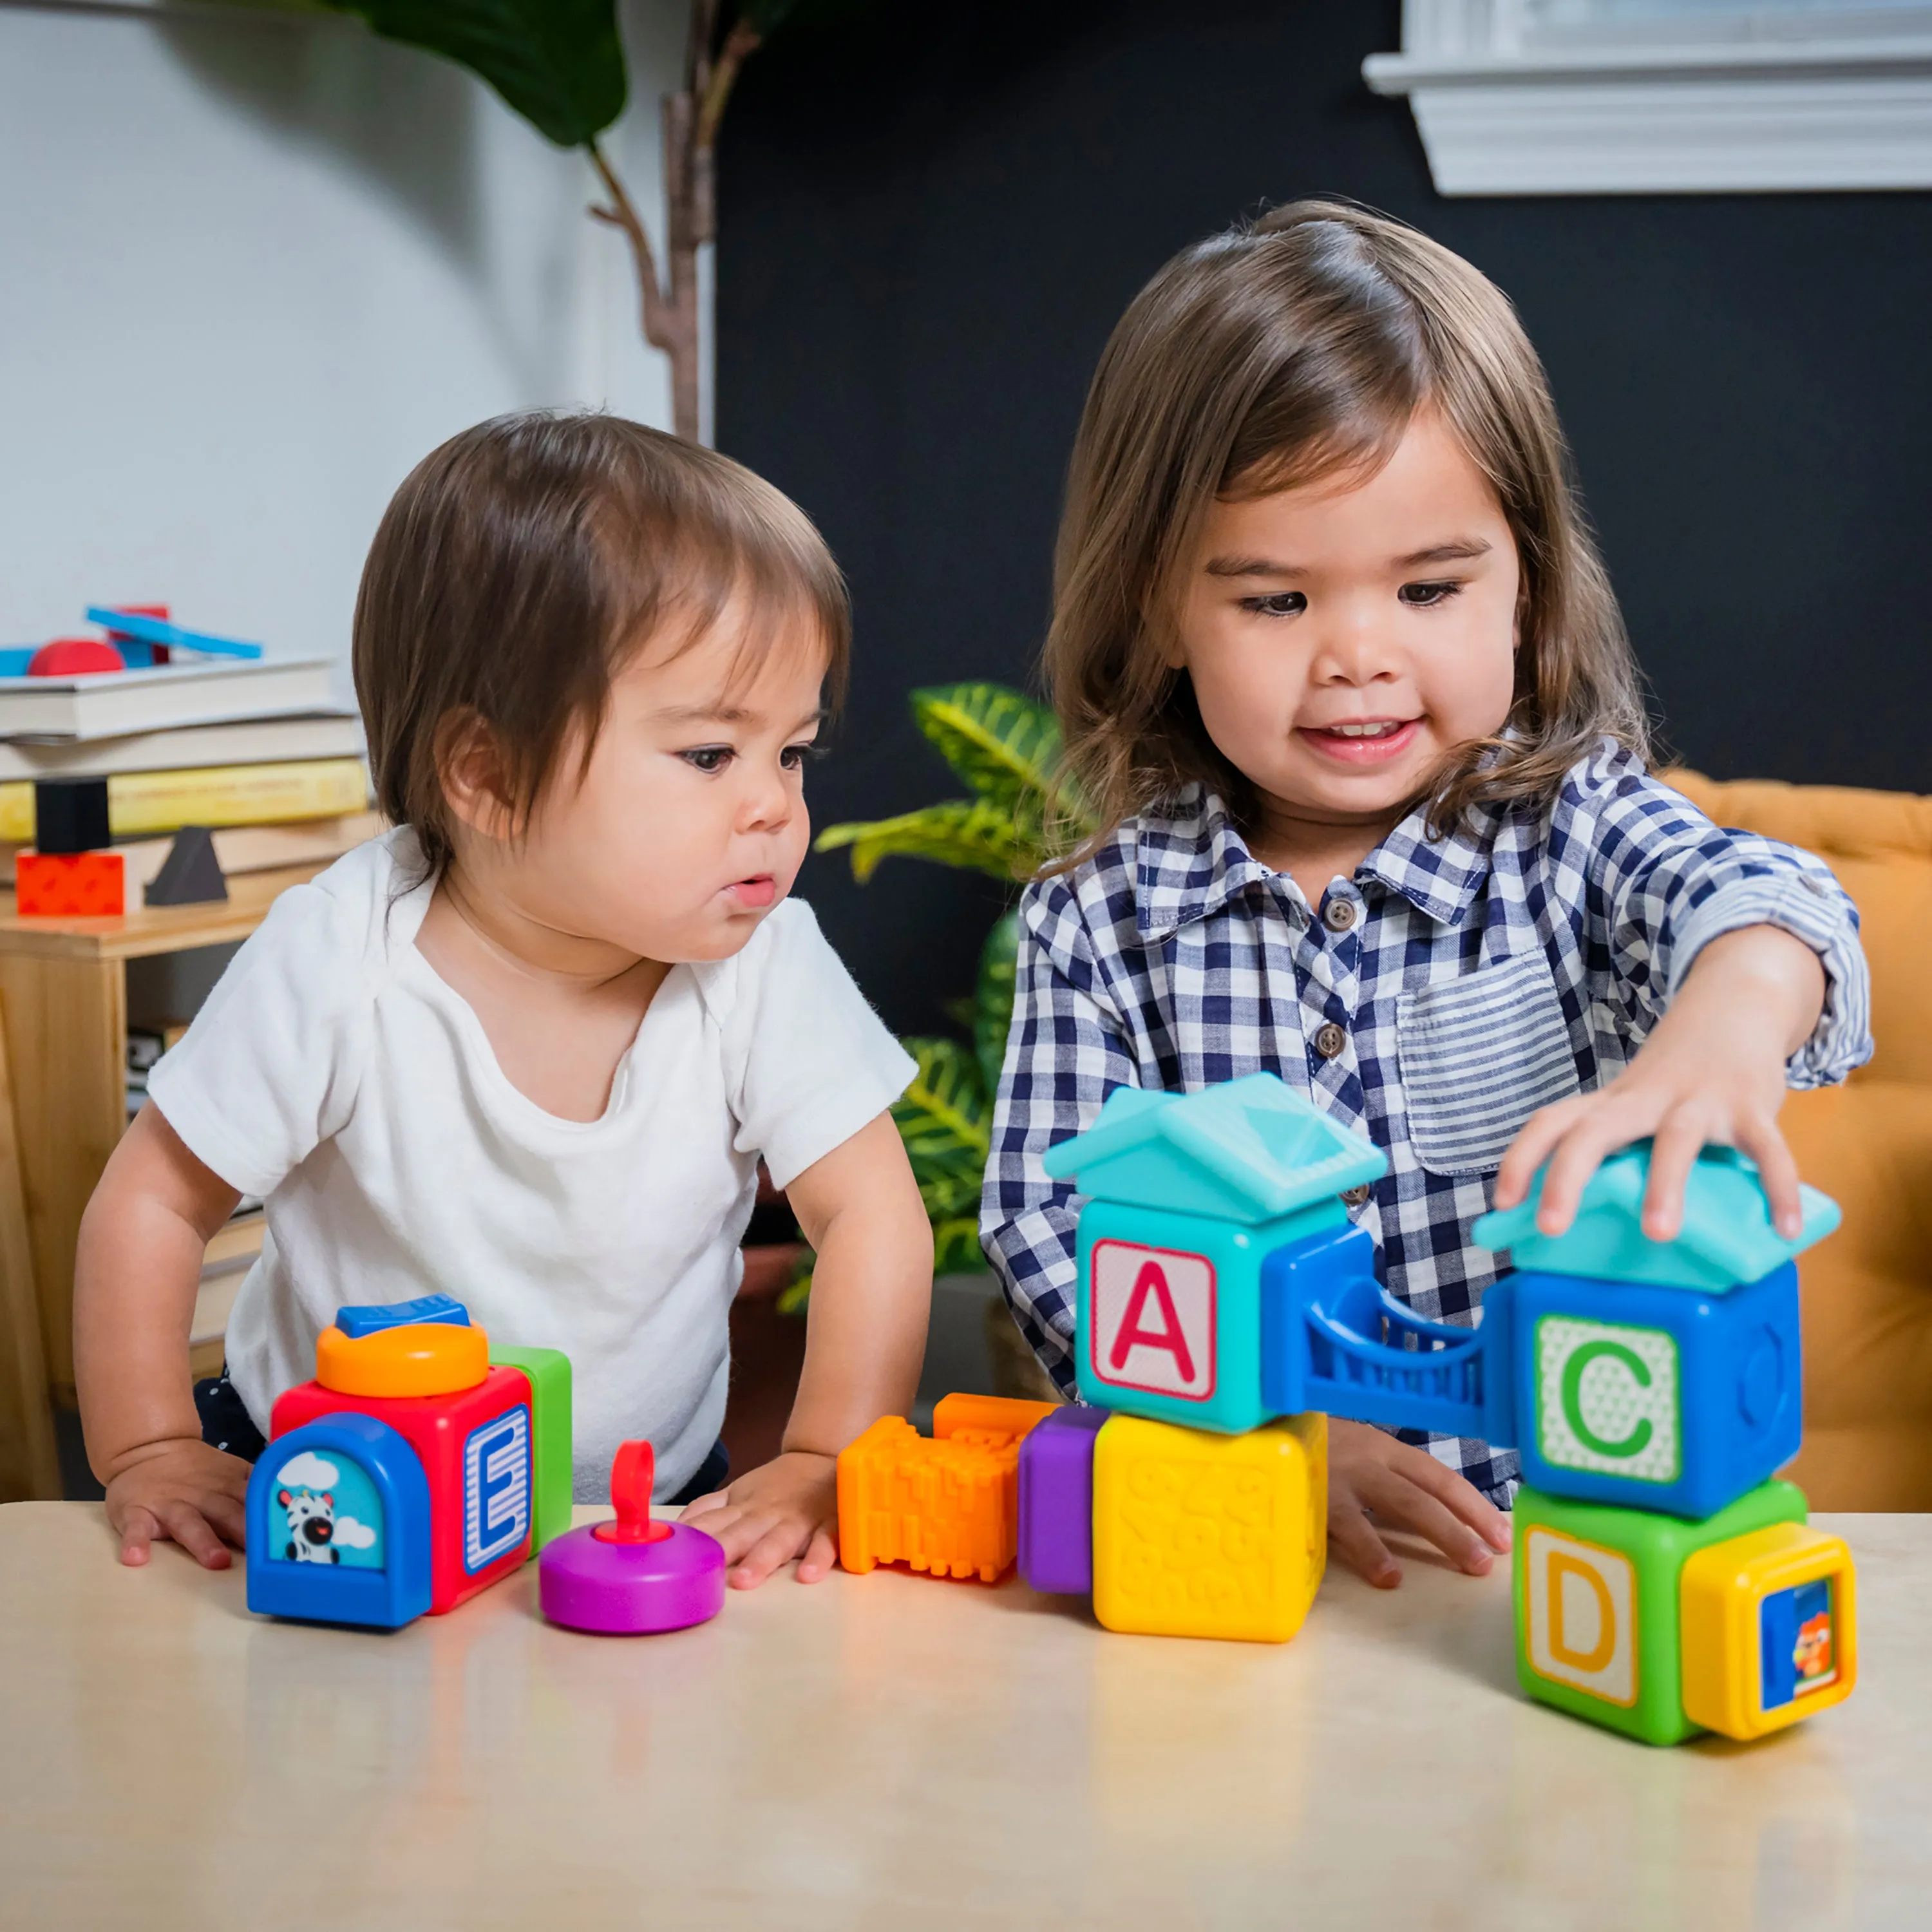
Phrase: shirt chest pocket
(1479, 1055)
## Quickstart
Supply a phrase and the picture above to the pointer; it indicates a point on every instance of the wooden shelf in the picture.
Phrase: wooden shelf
(156, 928)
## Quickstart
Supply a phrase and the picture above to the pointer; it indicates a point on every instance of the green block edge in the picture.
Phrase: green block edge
(1658, 1546)
(551, 1444)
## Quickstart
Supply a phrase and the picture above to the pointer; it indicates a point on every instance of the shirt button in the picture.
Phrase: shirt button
(1339, 915)
(1354, 1197)
(1330, 1040)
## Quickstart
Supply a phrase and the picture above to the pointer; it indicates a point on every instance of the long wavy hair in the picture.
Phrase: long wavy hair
(1288, 349)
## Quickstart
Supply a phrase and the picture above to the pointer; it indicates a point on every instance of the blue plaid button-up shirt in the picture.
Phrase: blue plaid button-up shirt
(1434, 1000)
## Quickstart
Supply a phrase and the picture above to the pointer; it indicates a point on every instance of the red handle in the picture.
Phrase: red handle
(631, 1475)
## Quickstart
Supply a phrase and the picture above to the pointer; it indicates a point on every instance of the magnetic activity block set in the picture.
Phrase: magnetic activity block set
(419, 1467)
(1664, 1583)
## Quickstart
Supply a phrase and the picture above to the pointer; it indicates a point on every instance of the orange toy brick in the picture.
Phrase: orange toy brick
(70, 885)
(949, 1504)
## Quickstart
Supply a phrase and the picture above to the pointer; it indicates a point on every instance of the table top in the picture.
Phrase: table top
(889, 1750)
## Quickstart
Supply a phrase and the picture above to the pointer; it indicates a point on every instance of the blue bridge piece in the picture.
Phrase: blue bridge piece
(361, 1320)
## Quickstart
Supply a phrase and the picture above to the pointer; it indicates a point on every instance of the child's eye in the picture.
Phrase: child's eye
(708, 758)
(794, 757)
(1282, 603)
(1425, 596)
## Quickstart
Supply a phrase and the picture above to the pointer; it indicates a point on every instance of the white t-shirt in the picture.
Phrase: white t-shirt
(333, 1073)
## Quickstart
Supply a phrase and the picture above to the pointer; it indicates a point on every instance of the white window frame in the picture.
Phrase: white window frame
(1594, 96)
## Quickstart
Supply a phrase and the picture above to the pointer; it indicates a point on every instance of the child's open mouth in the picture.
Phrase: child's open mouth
(759, 890)
(1364, 741)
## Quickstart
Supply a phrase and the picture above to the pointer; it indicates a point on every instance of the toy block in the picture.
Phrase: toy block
(76, 885)
(1656, 1398)
(71, 815)
(1727, 1238)
(1333, 1338)
(1599, 1606)
(338, 1526)
(1201, 1535)
(949, 1504)
(1189, 1195)
(469, 1424)
(190, 874)
(547, 1371)
(989, 1415)
(1770, 1630)
(1056, 1528)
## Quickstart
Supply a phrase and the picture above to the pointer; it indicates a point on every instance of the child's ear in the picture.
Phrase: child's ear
(476, 784)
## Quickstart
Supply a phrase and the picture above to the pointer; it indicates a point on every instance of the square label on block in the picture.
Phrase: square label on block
(325, 1509)
(1152, 1320)
(1607, 1399)
(1582, 1615)
(1797, 1641)
(496, 1488)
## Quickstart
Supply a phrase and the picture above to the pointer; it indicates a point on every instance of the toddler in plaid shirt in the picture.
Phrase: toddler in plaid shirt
(1342, 679)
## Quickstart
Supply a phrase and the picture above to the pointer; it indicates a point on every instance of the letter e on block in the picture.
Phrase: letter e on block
(1581, 1602)
(1151, 1320)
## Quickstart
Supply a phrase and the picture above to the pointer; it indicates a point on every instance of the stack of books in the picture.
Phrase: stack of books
(251, 748)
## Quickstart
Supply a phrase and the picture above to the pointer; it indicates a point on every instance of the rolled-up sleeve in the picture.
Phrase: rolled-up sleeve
(1669, 882)
(1064, 1055)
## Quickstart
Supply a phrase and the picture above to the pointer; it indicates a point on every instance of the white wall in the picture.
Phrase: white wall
(251, 269)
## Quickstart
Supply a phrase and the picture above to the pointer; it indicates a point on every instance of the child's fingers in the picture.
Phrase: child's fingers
(139, 1529)
(777, 1543)
(1673, 1153)
(1353, 1538)
(820, 1555)
(188, 1527)
(1607, 1126)
(1758, 1136)
(228, 1515)
(1404, 1504)
(1459, 1495)
(1532, 1147)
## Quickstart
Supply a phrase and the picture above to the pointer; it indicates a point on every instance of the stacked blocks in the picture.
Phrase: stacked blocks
(402, 1479)
(66, 877)
(1663, 1585)
(948, 1503)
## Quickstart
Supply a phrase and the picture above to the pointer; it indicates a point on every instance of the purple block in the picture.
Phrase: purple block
(1057, 1501)
(631, 1589)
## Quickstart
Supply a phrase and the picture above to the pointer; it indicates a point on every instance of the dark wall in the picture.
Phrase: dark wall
(931, 224)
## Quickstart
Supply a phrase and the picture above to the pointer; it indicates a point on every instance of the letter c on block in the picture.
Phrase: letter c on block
(1594, 1659)
(1634, 1443)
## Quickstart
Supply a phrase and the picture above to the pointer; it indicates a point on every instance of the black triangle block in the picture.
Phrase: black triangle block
(190, 874)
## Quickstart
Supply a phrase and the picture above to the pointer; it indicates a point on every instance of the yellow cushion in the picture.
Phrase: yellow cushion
(1867, 1292)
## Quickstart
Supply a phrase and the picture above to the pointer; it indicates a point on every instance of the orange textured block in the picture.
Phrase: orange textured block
(949, 1505)
(70, 885)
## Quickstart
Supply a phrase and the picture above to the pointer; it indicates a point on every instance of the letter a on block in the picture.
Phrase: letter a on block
(1152, 1318)
(1582, 1601)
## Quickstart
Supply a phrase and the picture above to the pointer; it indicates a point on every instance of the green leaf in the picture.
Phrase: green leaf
(993, 999)
(942, 1116)
(559, 63)
(1003, 745)
(966, 832)
(955, 1246)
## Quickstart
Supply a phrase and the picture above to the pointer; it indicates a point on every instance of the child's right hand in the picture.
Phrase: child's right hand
(1406, 1489)
(180, 1491)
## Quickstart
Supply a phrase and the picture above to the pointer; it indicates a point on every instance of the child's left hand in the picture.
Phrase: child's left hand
(788, 1507)
(1712, 1069)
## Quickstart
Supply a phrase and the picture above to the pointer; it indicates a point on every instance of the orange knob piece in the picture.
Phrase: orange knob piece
(419, 1358)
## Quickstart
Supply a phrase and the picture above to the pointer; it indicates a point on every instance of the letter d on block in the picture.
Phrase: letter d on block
(1582, 1605)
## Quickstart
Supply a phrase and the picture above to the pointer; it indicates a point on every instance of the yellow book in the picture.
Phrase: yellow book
(140, 803)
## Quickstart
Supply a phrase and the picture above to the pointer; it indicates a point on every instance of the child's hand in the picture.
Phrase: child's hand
(180, 1491)
(1405, 1488)
(1712, 1069)
(789, 1507)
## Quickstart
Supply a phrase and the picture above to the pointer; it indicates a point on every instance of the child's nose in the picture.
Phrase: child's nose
(767, 803)
(1355, 648)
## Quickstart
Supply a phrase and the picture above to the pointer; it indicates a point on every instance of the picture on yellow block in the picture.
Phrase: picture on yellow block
(1200, 1534)
(1582, 1600)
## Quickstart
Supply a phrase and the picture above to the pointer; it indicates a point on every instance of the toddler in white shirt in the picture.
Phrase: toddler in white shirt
(528, 1047)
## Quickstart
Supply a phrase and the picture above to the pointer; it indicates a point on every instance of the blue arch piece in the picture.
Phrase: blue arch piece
(1333, 1338)
(382, 1578)
(363, 1318)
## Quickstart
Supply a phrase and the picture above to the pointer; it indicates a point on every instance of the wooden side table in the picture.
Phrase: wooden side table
(64, 993)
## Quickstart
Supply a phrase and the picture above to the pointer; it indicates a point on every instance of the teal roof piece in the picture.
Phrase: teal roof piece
(1727, 1238)
(1246, 1151)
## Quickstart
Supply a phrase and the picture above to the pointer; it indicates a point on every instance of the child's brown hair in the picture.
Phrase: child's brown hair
(1293, 348)
(521, 564)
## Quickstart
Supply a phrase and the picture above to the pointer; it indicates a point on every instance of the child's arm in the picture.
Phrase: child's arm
(136, 1271)
(1713, 1069)
(871, 1291)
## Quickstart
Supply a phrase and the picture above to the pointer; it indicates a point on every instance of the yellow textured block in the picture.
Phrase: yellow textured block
(1197, 1534)
(1769, 1630)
